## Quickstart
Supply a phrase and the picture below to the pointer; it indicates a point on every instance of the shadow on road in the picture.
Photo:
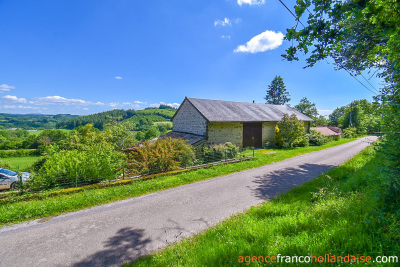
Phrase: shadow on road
(125, 246)
(272, 184)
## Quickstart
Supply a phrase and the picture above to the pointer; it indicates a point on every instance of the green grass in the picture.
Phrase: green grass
(339, 213)
(19, 210)
(20, 163)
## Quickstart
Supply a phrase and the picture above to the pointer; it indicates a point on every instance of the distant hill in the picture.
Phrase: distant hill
(32, 121)
(97, 119)
(139, 118)
(147, 117)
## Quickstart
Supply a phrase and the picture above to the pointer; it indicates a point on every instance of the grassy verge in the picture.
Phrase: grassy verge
(20, 163)
(345, 211)
(18, 209)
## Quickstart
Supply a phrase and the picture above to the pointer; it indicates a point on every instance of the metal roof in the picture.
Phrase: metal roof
(192, 139)
(229, 111)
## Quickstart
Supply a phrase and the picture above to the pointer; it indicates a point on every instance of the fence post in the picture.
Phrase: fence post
(76, 179)
(20, 183)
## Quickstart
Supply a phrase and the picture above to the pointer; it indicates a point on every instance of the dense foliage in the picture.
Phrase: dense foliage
(316, 138)
(32, 121)
(23, 139)
(68, 168)
(84, 156)
(350, 132)
(366, 117)
(164, 154)
(306, 107)
(290, 132)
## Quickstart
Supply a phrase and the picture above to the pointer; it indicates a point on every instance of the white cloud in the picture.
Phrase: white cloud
(59, 100)
(140, 102)
(174, 105)
(225, 37)
(267, 40)
(13, 99)
(250, 2)
(20, 107)
(223, 23)
(114, 104)
(5, 88)
(118, 77)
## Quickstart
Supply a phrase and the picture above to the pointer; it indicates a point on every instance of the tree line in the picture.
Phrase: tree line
(32, 121)
(362, 115)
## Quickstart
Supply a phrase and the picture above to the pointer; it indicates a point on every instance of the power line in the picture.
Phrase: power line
(298, 20)
(369, 83)
(359, 81)
(291, 13)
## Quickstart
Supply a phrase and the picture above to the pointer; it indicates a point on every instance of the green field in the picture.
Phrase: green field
(20, 163)
(38, 132)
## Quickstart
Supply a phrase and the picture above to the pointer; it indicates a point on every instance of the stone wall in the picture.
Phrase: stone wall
(189, 120)
(222, 132)
(268, 132)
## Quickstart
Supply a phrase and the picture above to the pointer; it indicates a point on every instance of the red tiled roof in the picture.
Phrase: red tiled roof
(327, 130)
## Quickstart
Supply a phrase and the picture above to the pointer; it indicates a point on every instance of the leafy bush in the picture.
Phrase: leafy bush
(217, 153)
(75, 167)
(350, 132)
(164, 154)
(290, 132)
(17, 153)
(316, 138)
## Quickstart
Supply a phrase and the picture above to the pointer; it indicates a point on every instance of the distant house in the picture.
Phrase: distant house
(332, 131)
(215, 121)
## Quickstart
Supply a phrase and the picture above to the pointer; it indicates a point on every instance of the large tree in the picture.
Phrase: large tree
(306, 107)
(358, 35)
(277, 93)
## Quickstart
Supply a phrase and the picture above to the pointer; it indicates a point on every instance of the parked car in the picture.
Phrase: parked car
(10, 179)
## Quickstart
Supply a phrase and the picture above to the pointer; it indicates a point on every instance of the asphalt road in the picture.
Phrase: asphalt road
(122, 231)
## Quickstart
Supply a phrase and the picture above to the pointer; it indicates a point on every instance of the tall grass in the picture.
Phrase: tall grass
(342, 212)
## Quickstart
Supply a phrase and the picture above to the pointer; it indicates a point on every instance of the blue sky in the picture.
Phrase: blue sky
(82, 57)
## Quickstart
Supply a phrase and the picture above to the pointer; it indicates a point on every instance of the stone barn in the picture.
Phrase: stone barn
(205, 121)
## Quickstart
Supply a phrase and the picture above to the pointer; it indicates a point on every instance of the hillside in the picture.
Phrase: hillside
(32, 121)
(139, 118)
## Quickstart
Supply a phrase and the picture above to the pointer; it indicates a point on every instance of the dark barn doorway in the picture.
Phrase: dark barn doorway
(252, 134)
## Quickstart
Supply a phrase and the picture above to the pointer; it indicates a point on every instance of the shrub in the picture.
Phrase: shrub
(290, 132)
(217, 153)
(164, 154)
(350, 132)
(316, 138)
(75, 167)
(18, 153)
